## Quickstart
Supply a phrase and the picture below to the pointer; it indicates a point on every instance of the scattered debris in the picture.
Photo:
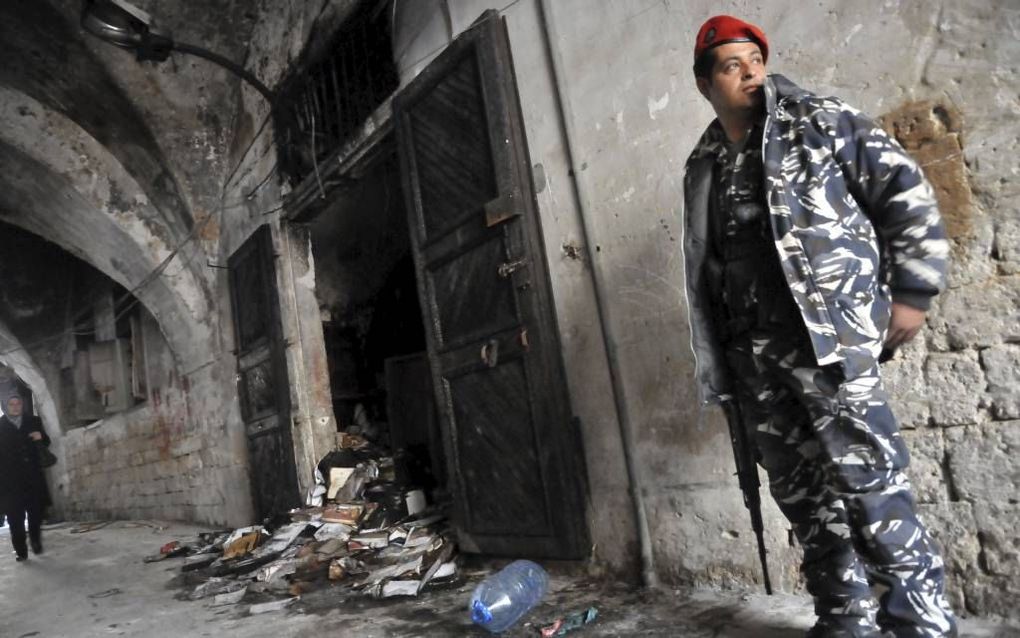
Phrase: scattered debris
(338, 477)
(275, 605)
(216, 586)
(106, 594)
(345, 514)
(318, 491)
(415, 501)
(229, 598)
(399, 588)
(198, 562)
(360, 533)
(570, 622)
(334, 531)
(243, 543)
(442, 568)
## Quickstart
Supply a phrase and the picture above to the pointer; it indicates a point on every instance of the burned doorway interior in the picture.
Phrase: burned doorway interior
(372, 326)
(510, 449)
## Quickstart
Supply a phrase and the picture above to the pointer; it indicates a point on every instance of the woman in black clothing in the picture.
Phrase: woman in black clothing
(22, 484)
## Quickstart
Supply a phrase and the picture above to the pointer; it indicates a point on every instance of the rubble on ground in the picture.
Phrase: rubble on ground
(355, 533)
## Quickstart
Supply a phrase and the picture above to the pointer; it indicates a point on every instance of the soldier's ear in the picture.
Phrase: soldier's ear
(703, 86)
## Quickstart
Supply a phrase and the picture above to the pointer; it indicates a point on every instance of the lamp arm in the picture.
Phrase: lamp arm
(233, 67)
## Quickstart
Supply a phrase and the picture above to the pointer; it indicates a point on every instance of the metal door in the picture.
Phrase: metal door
(262, 375)
(512, 446)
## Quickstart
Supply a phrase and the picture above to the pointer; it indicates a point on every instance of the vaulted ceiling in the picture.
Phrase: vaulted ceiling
(117, 162)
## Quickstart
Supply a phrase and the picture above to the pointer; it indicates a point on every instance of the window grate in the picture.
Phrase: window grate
(322, 106)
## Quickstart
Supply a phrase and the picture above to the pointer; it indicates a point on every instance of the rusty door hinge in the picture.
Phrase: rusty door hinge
(501, 209)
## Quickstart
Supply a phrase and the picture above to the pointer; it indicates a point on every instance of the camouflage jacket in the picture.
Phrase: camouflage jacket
(854, 220)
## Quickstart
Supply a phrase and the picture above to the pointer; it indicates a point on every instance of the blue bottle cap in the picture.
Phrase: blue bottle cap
(480, 614)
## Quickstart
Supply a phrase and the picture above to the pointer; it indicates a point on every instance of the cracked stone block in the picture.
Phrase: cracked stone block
(936, 333)
(927, 449)
(1002, 368)
(984, 463)
(971, 261)
(952, 527)
(993, 595)
(956, 386)
(907, 398)
(995, 588)
(1007, 243)
(981, 315)
(998, 526)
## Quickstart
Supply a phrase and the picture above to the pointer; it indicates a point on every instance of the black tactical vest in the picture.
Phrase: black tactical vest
(744, 276)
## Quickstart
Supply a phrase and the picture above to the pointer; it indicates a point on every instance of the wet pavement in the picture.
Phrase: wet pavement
(95, 584)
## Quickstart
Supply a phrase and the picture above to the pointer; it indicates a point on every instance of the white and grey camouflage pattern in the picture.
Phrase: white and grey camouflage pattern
(835, 459)
(855, 223)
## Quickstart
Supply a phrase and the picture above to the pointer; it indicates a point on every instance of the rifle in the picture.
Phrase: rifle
(747, 476)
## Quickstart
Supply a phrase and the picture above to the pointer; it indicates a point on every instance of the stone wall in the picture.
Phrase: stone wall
(947, 76)
(172, 457)
(957, 391)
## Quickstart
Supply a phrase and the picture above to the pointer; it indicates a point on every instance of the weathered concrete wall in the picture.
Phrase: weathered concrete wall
(630, 96)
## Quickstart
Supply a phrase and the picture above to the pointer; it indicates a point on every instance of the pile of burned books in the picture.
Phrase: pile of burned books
(359, 531)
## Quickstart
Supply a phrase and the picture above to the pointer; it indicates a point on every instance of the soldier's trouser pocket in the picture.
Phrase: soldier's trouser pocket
(855, 427)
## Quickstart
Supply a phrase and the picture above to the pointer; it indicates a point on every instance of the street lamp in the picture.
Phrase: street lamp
(128, 27)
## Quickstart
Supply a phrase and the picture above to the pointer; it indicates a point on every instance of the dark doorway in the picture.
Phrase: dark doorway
(263, 389)
(437, 307)
(375, 341)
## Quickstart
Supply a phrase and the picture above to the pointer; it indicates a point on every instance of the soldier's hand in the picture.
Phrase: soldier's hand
(35, 436)
(905, 323)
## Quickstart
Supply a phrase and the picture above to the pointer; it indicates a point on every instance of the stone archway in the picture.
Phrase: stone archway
(63, 185)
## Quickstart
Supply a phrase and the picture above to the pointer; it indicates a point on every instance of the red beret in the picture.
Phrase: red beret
(725, 29)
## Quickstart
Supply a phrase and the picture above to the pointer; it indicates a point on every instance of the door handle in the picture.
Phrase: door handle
(510, 267)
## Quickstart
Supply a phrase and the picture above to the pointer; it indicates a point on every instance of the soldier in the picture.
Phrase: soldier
(812, 241)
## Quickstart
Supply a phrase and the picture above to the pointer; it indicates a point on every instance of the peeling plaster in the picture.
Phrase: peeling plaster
(656, 105)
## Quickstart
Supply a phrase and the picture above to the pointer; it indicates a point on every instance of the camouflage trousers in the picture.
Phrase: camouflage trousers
(835, 460)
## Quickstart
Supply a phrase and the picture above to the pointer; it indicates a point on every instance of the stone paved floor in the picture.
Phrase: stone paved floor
(95, 584)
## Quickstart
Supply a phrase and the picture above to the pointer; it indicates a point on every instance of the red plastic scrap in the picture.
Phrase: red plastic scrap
(172, 546)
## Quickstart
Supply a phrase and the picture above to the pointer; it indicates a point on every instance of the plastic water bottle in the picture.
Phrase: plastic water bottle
(502, 599)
